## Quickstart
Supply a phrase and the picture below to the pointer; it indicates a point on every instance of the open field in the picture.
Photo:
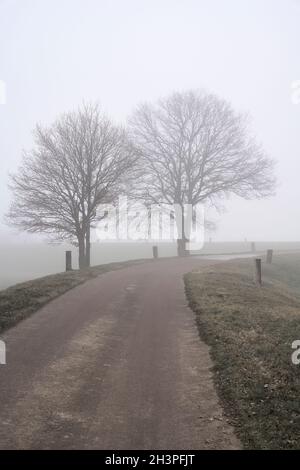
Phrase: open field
(27, 261)
(250, 331)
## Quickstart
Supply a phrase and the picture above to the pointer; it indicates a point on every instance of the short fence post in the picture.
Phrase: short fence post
(155, 252)
(257, 271)
(269, 256)
(68, 260)
(2, 352)
(253, 249)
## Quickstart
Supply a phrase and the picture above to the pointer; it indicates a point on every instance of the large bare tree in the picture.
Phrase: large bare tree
(194, 148)
(81, 161)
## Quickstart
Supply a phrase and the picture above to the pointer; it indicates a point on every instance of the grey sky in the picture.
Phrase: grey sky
(56, 53)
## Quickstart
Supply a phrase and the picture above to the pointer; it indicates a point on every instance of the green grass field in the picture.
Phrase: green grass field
(250, 331)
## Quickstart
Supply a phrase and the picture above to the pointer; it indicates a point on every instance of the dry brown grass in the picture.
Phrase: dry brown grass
(250, 331)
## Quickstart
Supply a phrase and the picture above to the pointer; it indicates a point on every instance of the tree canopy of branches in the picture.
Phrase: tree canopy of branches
(79, 162)
(194, 148)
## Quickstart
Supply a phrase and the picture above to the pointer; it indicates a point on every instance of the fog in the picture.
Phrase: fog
(56, 54)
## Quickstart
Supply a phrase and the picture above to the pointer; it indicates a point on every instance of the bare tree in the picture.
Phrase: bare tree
(79, 162)
(194, 148)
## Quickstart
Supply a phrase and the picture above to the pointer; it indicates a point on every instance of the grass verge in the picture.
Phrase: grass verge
(19, 301)
(250, 331)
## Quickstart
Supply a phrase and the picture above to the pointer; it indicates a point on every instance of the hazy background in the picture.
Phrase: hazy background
(56, 53)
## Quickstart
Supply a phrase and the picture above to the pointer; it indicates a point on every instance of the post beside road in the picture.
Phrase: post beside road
(257, 271)
(68, 260)
(269, 256)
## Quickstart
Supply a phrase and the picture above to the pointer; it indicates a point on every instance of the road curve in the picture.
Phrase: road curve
(115, 363)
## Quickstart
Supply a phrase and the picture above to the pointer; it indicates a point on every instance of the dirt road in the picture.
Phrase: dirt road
(115, 363)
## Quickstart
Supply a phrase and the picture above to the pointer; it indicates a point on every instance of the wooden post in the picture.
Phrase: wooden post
(155, 252)
(257, 271)
(253, 249)
(269, 256)
(68, 260)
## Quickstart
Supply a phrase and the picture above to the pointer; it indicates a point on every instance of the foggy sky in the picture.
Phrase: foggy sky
(56, 53)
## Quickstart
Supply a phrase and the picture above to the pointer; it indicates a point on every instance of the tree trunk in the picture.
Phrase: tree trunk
(181, 251)
(81, 250)
(88, 247)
